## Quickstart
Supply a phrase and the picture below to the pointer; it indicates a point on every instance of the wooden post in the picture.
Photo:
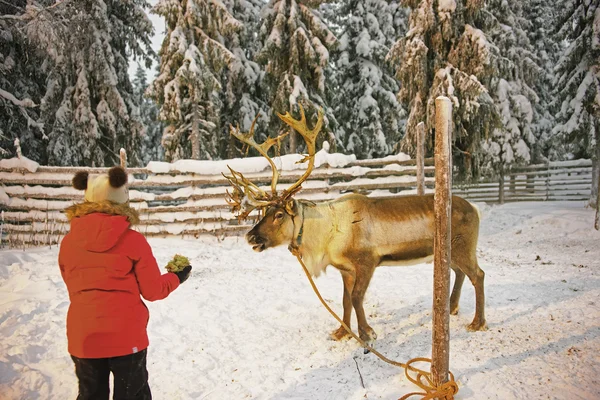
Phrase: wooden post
(18, 148)
(512, 184)
(597, 219)
(123, 157)
(501, 188)
(421, 158)
(440, 354)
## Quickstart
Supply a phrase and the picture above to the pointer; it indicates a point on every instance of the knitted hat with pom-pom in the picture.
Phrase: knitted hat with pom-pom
(111, 186)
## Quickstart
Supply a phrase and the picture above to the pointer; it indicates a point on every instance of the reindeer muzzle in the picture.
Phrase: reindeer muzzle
(257, 242)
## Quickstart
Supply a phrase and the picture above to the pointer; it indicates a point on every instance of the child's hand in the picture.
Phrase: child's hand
(183, 274)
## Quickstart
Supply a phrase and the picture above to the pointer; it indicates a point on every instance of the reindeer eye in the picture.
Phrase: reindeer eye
(279, 215)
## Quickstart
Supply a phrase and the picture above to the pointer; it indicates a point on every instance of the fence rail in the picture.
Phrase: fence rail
(190, 203)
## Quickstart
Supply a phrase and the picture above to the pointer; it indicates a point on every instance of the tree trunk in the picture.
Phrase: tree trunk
(293, 141)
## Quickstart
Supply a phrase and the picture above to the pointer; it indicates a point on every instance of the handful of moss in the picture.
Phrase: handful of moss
(178, 263)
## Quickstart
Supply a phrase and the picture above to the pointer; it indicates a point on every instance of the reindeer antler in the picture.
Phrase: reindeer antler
(248, 138)
(246, 195)
(310, 137)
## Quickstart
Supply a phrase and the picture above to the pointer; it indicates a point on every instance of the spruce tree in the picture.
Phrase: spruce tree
(22, 76)
(512, 86)
(188, 86)
(369, 115)
(151, 149)
(244, 94)
(444, 53)
(577, 85)
(295, 51)
(88, 105)
(540, 18)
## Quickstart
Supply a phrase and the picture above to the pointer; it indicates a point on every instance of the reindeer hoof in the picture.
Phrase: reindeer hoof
(454, 311)
(477, 326)
(340, 334)
(371, 342)
(368, 336)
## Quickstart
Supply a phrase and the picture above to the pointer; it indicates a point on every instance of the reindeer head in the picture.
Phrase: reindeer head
(276, 227)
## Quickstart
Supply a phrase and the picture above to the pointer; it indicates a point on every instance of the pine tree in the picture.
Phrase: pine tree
(151, 149)
(443, 53)
(512, 86)
(296, 46)
(188, 85)
(243, 94)
(370, 116)
(21, 85)
(577, 84)
(88, 105)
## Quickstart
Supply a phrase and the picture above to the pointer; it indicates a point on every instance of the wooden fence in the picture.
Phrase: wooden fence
(181, 203)
(192, 204)
(554, 181)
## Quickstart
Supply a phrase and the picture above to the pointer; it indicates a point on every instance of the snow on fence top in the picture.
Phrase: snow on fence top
(288, 162)
(22, 163)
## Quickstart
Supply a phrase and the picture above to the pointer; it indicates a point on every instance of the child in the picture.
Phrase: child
(106, 266)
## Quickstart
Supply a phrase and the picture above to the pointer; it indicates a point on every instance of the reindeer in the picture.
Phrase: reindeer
(355, 233)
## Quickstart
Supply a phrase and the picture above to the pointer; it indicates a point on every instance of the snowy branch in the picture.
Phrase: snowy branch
(21, 103)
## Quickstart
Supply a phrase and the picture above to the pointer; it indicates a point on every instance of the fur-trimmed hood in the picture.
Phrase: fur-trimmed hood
(98, 227)
(104, 207)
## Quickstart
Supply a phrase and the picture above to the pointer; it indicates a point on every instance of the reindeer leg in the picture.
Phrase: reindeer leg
(477, 278)
(363, 278)
(341, 334)
(455, 296)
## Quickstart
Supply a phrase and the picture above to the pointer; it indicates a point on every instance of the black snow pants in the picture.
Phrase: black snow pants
(129, 372)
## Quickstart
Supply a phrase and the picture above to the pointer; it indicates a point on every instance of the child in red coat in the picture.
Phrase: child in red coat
(107, 266)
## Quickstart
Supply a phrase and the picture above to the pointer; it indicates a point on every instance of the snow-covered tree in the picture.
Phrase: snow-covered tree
(88, 105)
(540, 19)
(151, 149)
(243, 93)
(369, 115)
(187, 88)
(21, 85)
(512, 86)
(296, 46)
(577, 84)
(444, 53)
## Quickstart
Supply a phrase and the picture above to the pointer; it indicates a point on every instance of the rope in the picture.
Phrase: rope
(423, 379)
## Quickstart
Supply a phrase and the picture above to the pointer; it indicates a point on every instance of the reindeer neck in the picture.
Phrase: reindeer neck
(314, 219)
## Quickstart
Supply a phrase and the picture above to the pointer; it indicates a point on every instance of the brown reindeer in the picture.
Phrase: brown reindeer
(356, 233)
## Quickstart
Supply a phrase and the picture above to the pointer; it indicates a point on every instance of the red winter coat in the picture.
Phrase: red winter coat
(106, 266)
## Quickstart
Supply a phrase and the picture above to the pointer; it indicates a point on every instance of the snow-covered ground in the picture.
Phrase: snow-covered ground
(248, 325)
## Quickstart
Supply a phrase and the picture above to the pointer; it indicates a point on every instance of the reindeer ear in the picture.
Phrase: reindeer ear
(80, 180)
(117, 177)
(290, 207)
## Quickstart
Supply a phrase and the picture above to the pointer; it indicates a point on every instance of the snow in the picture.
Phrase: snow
(287, 162)
(19, 163)
(255, 329)
(4, 199)
(447, 5)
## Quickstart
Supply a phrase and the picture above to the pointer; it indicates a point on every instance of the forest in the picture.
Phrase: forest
(523, 77)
